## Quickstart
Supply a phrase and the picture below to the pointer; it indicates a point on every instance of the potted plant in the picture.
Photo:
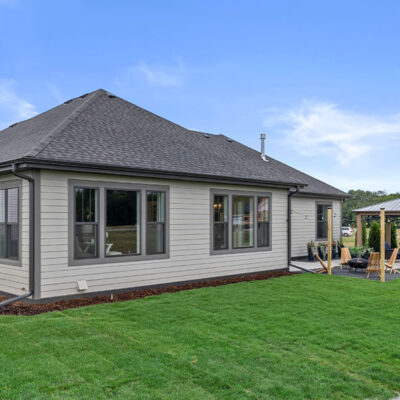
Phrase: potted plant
(310, 250)
(335, 250)
(322, 250)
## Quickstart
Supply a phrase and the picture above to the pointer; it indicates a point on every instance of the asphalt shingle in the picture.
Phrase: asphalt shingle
(103, 129)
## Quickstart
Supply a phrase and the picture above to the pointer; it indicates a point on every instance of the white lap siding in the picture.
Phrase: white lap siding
(189, 229)
(14, 279)
(304, 223)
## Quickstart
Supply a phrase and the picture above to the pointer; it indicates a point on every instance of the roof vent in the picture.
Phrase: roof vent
(68, 101)
(263, 156)
(12, 126)
(206, 136)
(84, 95)
(111, 96)
(229, 140)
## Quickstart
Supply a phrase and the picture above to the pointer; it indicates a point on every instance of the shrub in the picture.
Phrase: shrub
(374, 240)
(364, 234)
(393, 235)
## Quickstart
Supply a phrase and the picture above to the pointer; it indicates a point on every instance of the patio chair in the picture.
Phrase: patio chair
(344, 257)
(373, 264)
(391, 262)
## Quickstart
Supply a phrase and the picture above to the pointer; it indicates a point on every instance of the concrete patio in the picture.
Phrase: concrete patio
(346, 271)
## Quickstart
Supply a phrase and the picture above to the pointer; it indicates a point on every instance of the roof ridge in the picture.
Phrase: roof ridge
(47, 139)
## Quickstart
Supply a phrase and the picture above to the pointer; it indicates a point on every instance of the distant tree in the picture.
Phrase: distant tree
(362, 198)
(374, 240)
(364, 234)
(393, 235)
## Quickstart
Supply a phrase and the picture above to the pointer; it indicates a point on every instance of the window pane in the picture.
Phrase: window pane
(155, 207)
(2, 240)
(123, 223)
(263, 222)
(12, 205)
(12, 241)
(220, 208)
(2, 206)
(86, 205)
(242, 222)
(322, 221)
(155, 227)
(155, 238)
(220, 234)
(86, 241)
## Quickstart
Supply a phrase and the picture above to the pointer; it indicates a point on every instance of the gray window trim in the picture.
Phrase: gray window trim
(15, 184)
(102, 187)
(321, 203)
(230, 194)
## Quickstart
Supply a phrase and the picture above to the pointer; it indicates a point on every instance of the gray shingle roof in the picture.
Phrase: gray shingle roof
(103, 129)
(390, 205)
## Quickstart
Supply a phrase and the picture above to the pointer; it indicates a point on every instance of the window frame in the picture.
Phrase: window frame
(75, 223)
(242, 193)
(14, 184)
(164, 224)
(102, 187)
(321, 203)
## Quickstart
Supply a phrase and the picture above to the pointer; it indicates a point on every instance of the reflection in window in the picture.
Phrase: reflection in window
(242, 222)
(86, 223)
(9, 225)
(155, 223)
(322, 221)
(123, 222)
(220, 212)
(262, 221)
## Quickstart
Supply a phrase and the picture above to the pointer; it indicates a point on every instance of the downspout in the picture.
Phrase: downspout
(31, 238)
(289, 239)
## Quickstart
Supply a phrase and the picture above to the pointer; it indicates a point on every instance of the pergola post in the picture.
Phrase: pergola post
(359, 230)
(388, 233)
(329, 241)
(382, 215)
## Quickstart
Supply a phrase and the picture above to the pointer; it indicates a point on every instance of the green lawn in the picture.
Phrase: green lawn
(300, 337)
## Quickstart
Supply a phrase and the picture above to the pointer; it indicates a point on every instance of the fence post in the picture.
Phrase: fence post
(329, 241)
(383, 245)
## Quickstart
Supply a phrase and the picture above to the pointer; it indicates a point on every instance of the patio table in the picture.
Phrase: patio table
(358, 263)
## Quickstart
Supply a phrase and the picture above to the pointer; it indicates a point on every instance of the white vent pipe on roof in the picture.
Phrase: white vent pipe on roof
(262, 137)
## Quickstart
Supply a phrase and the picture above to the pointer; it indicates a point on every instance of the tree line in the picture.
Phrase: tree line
(363, 198)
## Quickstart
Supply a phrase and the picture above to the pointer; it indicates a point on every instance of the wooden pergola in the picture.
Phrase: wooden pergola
(392, 209)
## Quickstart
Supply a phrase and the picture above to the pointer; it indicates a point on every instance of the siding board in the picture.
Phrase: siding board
(189, 239)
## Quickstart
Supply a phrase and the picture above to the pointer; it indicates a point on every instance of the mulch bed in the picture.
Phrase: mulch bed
(22, 308)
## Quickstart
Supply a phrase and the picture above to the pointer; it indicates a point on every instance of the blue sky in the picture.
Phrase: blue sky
(321, 78)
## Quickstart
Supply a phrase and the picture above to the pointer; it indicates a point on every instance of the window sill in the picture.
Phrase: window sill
(238, 251)
(7, 261)
(116, 260)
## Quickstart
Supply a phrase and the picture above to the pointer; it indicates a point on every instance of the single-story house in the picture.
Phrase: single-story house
(98, 195)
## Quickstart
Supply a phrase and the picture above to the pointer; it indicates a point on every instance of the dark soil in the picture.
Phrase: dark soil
(22, 308)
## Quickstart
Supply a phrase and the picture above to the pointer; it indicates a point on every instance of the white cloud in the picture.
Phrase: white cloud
(162, 75)
(316, 128)
(13, 108)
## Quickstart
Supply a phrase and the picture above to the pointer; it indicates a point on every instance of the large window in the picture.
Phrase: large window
(155, 222)
(115, 223)
(241, 221)
(9, 223)
(263, 221)
(123, 223)
(322, 221)
(86, 223)
(220, 215)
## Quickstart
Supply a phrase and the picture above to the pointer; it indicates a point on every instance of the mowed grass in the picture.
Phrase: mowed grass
(299, 337)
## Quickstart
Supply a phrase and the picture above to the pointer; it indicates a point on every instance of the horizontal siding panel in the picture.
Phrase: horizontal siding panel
(189, 240)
